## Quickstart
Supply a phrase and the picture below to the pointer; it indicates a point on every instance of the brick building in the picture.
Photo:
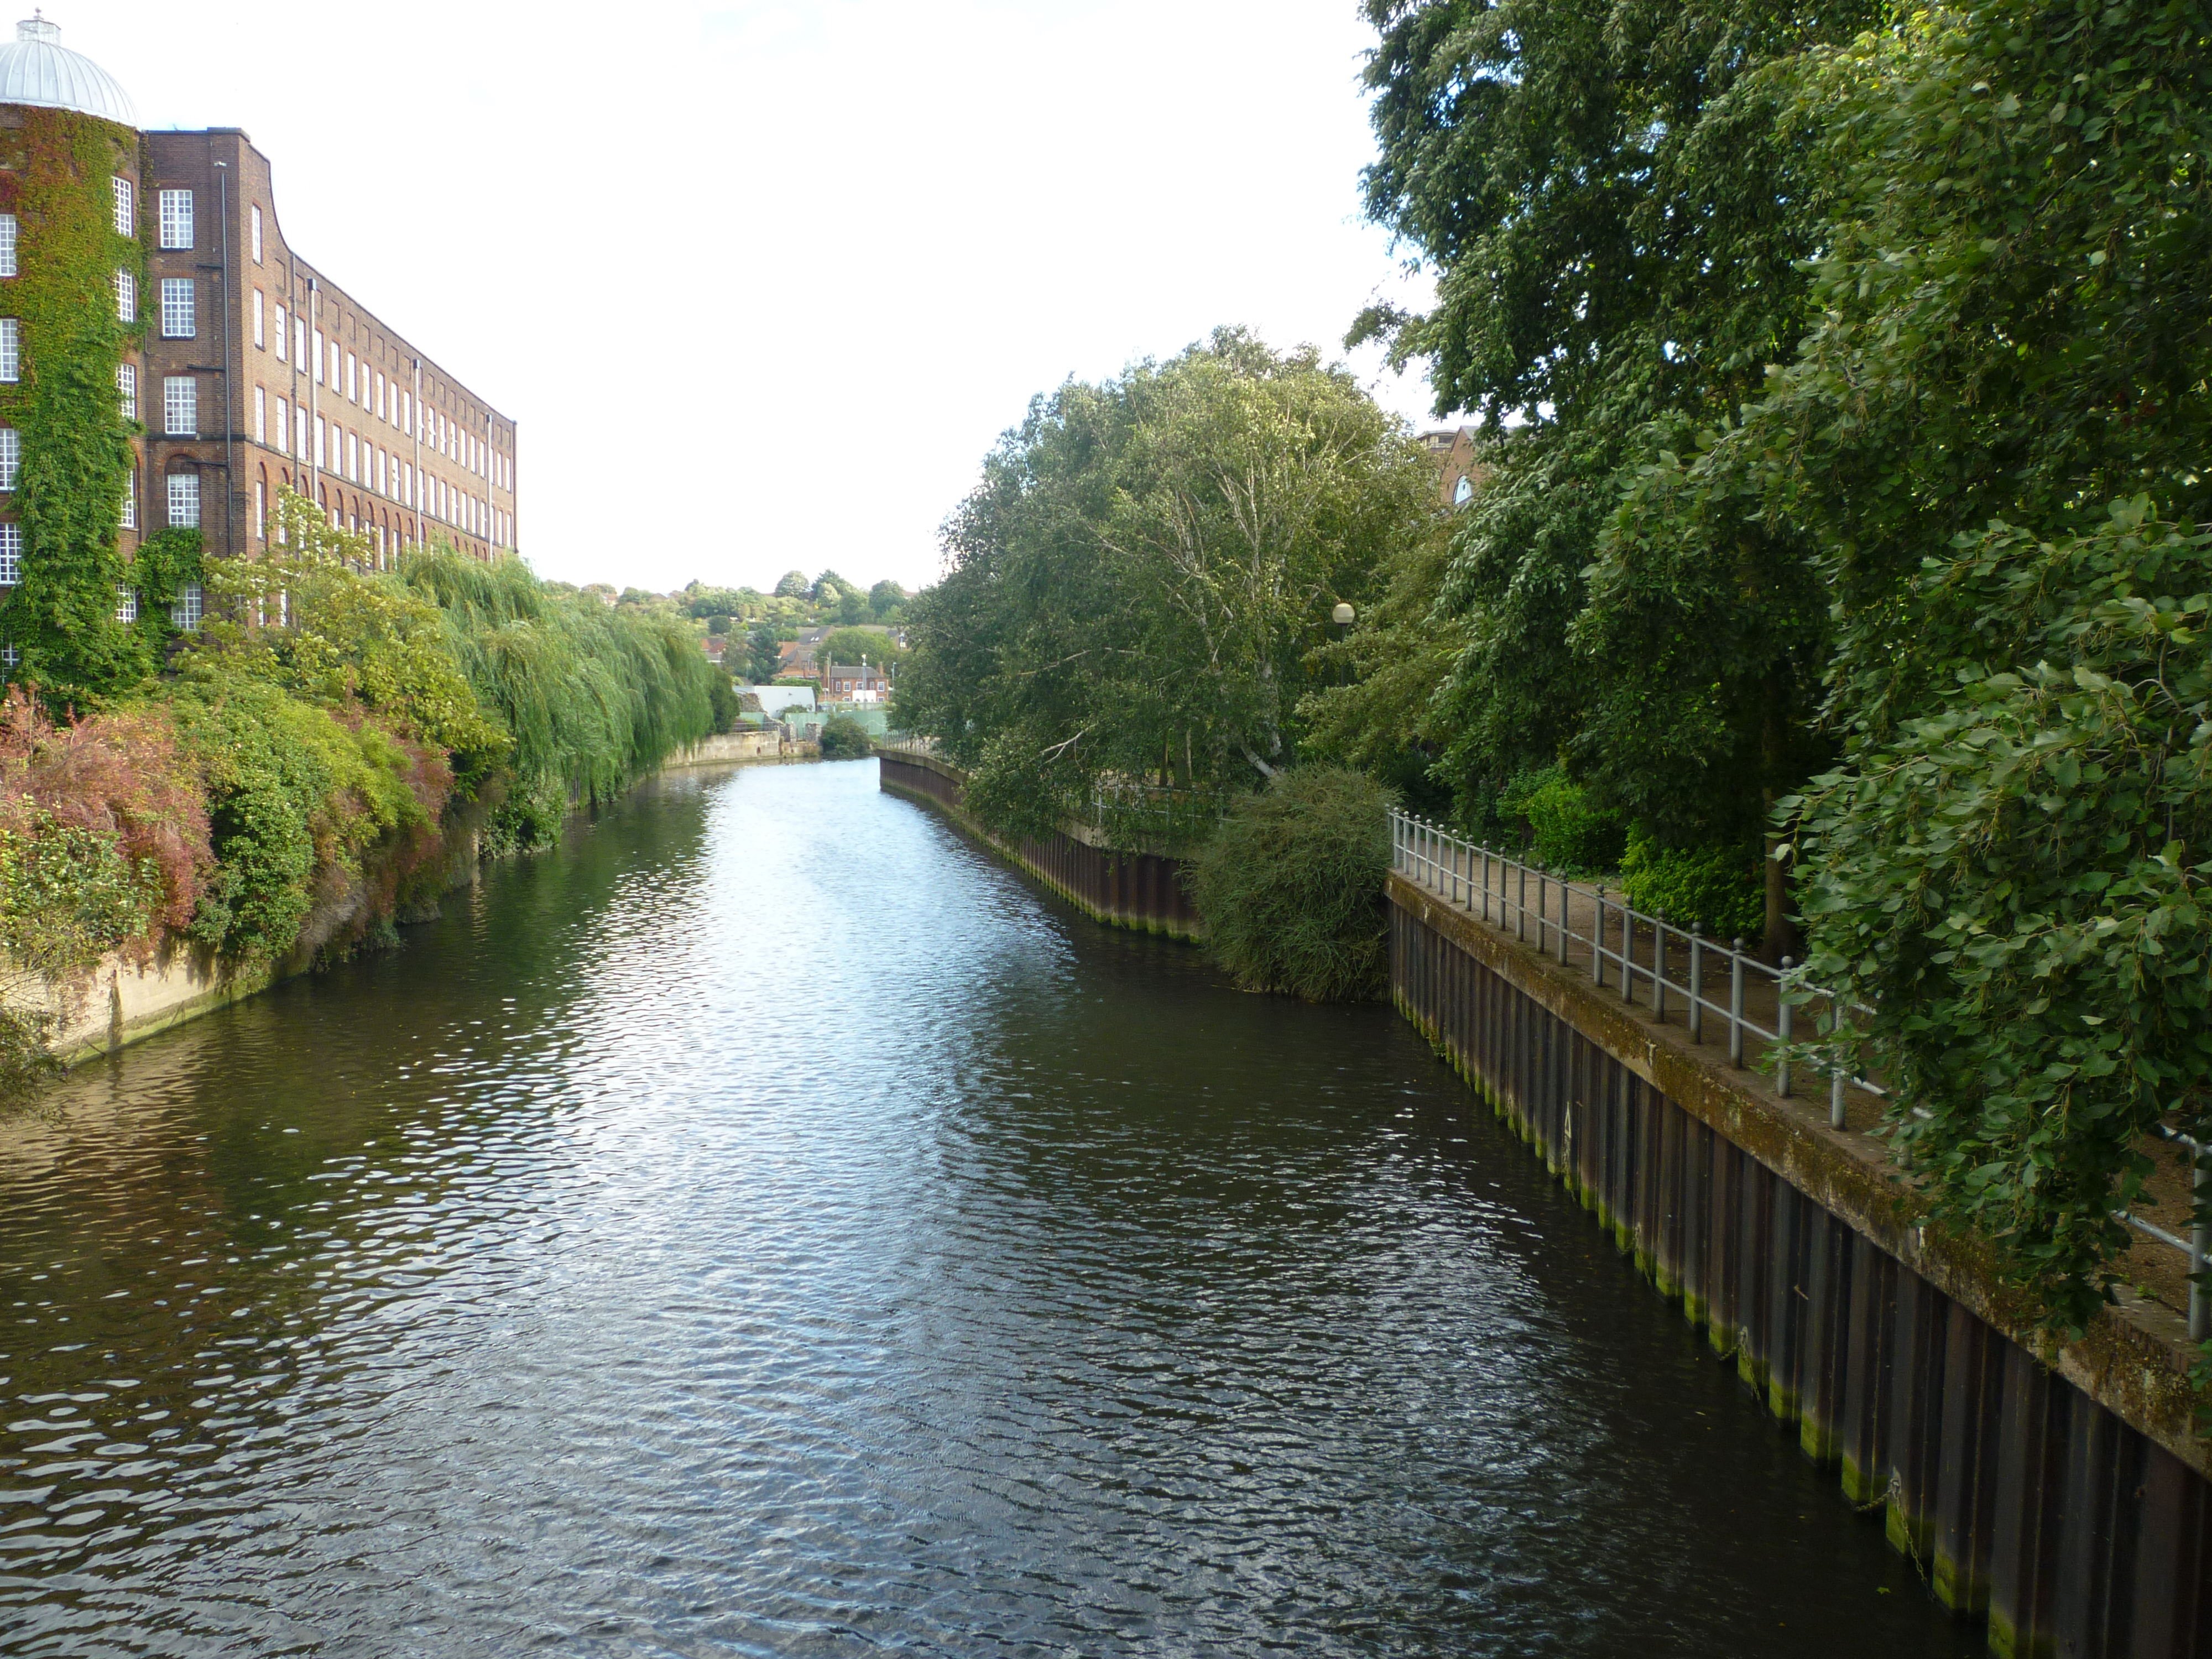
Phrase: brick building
(256, 372)
(1461, 468)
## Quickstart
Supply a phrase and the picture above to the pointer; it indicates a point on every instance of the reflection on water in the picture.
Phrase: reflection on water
(770, 1227)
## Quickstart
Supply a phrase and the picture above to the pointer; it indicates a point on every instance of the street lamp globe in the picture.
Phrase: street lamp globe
(1342, 615)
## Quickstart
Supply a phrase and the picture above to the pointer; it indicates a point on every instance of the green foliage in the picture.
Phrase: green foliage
(68, 894)
(764, 659)
(1568, 831)
(590, 699)
(76, 454)
(1291, 886)
(1715, 888)
(849, 645)
(1138, 582)
(886, 599)
(722, 699)
(844, 737)
(794, 585)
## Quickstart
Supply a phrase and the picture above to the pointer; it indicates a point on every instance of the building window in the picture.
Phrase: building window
(299, 430)
(260, 335)
(260, 414)
(349, 380)
(176, 210)
(380, 394)
(11, 456)
(126, 603)
(284, 428)
(180, 406)
(179, 308)
(380, 473)
(130, 498)
(190, 605)
(300, 342)
(11, 349)
(334, 365)
(184, 501)
(126, 389)
(352, 460)
(280, 334)
(257, 234)
(319, 356)
(318, 443)
(11, 554)
(7, 244)
(261, 509)
(127, 211)
(126, 296)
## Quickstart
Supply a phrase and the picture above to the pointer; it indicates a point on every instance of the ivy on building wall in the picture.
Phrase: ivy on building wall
(76, 454)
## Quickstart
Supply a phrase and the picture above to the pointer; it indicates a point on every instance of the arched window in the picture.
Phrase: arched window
(1463, 492)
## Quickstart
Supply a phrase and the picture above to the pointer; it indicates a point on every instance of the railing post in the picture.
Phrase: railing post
(1627, 953)
(1697, 1020)
(1566, 915)
(2200, 1246)
(1659, 969)
(1782, 1030)
(1539, 909)
(1521, 904)
(1597, 940)
(1485, 884)
(1735, 1004)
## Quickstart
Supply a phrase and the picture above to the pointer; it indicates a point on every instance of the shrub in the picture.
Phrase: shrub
(1567, 832)
(844, 737)
(1716, 888)
(1291, 886)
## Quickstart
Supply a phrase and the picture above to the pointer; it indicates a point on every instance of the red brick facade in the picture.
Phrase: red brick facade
(372, 429)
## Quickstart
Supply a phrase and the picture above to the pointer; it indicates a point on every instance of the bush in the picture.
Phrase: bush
(844, 737)
(1716, 888)
(1567, 832)
(1291, 886)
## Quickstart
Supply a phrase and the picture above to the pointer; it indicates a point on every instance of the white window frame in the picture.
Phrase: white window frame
(11, 554)
(180, 402)
(284, 426)
(126, 297)
(260, 510)
(190, 605)
(11, 456)
(126, 389)
(349, 380)
(184, 494)
(180, 308)
(126, 603)
(380, 394)
(281, 326)
(257, 232)
(11, 349)
(300, 341)
(7, 244)
(130, 498)
(126, 205)
(300, 432)
(319, 466)
(352, 459)
(261, 414)
(176, 211)
(261, 331)
(319, 356)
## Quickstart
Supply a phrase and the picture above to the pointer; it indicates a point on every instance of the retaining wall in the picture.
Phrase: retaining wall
(2060, 1492)
(1143, 891)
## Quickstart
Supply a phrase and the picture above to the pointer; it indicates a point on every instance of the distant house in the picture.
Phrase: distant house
(1461, 468)
(714, 645)
(775, 699)
(855, 683)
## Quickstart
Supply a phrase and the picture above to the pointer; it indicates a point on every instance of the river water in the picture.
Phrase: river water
(770, 1226)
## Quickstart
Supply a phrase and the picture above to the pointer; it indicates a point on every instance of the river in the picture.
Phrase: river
(770, 1227)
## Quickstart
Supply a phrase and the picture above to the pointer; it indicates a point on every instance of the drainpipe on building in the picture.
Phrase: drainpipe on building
(415, 421)
(229, 423)
(314, 403)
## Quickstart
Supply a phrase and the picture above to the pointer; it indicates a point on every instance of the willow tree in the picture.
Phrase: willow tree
(1138, 584)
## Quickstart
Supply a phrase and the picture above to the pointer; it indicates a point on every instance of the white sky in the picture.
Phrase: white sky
(762, 282)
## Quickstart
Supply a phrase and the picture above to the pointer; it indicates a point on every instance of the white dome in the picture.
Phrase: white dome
(35, 68)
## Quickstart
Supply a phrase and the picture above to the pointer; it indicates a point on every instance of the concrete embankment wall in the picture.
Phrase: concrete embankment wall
(2059, 1490)
(731, 747)
(1143, 891)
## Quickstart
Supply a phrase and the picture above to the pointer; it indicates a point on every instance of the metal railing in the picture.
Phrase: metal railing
(1496, 888)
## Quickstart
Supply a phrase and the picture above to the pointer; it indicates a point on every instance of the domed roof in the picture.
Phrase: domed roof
(35, 68)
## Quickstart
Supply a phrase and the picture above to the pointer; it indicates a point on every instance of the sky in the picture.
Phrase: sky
(762, 283)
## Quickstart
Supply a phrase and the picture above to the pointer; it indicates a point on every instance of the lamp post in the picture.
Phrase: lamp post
(1343, 616)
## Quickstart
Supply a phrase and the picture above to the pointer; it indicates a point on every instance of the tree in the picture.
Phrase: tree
(763, 658)
(886, 600)
(849, 645)
(1137, 583)
(1616, 198)
(794, 585)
